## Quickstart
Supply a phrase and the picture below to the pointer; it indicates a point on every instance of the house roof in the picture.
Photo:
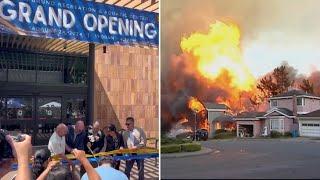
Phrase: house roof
(215, 106)
(311, 114)
(293, 92)
(224, 118)
(286, 111)
(250, 114)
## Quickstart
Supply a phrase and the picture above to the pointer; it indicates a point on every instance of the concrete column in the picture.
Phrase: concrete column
(90, 92)
(237, 129)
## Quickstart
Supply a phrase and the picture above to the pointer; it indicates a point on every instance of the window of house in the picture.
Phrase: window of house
(276, 124)
(300, 102)
(274, 103)
(304, 125)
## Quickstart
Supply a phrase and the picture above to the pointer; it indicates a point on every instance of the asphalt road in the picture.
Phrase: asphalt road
(248, 159)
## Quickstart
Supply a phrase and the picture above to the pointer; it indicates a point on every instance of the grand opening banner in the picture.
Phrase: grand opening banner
(79, 20)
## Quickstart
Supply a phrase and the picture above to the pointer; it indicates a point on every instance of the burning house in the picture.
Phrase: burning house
(219, 117)
(210, 69)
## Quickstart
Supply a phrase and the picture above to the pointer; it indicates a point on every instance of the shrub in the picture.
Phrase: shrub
(225, 135)
(171, 148)
(275, 134)
(190, 147)
(218, 131)
(288, 134)
(166, 141)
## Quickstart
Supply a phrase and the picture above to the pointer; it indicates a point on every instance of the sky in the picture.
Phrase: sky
(272, 31)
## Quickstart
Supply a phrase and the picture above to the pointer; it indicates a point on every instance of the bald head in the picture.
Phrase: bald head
(96, 126)
(79, 126)
(62, 130)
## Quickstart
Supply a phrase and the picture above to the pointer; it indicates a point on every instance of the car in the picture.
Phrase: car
(201, 135)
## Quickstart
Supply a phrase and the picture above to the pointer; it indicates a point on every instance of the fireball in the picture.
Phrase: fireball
(218, 53)
(195, 105)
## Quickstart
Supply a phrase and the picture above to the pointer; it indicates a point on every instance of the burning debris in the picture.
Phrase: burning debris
(209, 69)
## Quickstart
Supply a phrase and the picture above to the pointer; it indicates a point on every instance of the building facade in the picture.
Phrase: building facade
(46, 81)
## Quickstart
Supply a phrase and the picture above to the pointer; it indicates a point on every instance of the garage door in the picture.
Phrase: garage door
(310, 128)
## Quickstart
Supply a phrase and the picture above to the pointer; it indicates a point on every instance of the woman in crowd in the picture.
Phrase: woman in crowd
(40, 162)
(113, 141)
(23, 150)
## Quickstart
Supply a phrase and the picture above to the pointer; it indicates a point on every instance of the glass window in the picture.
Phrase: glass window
(3, 67)
(274, 103)
(19, 115)
(76, 109)
(316, 125)
(75, 70)
(20, 108)
(49, 113)
(276, 124)
(304, 125)
(300, 101)
(2, 108)
(49, 108)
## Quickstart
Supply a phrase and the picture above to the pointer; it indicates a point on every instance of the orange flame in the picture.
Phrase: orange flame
(218, 51)
(195, 105)
(218, 58)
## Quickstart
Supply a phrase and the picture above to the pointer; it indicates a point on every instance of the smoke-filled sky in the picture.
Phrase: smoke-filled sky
(272, 31)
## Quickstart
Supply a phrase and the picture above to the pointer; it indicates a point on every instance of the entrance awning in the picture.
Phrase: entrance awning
(145, 5)
(70, 46)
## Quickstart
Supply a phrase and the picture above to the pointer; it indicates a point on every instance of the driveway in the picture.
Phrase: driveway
(249, 159)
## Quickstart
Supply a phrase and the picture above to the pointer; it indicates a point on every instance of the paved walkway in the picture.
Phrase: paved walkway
(203, 151)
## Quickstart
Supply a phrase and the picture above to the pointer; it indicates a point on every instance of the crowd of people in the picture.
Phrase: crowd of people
(79, 141)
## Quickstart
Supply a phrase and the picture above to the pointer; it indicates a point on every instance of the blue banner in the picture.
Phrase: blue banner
(79, 20)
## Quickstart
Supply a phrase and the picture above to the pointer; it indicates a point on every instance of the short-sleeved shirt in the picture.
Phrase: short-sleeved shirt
(57, 144)
(108, 173)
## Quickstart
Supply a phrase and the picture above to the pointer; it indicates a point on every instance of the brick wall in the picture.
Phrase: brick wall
(127, 84)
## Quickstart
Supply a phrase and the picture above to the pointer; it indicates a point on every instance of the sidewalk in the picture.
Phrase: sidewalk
(297, 139)
(203, 151)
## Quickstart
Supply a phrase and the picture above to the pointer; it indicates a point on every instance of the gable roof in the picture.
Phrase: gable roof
(250, 114)
(311, 114)
(293, 92)
(209, 105)
(224, 118)
(283, 111)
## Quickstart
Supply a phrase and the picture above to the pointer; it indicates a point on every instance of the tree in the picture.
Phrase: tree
(276, 83)
(306, 86)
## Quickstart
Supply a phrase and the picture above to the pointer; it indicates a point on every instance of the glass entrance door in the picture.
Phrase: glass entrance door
(39, 115)
(48, 117)
(19, 115)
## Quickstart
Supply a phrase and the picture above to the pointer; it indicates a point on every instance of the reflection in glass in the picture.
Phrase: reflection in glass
(49, 108)
(76, 110)
(19, 114)
(19, 108)
(2, 108)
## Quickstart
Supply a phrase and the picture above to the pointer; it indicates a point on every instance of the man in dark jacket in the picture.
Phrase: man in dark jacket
(112, 141)
(76, 137)
(96, 138)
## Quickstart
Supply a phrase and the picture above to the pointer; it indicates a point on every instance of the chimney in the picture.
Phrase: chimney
(294, 107)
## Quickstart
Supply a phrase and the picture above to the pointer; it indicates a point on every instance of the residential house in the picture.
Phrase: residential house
(217, 113)
(294, 110)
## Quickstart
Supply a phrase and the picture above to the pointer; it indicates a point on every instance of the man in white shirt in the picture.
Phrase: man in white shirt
(134, 138)
(57, 142)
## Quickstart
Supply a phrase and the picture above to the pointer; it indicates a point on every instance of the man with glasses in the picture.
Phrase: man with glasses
(134, 138)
